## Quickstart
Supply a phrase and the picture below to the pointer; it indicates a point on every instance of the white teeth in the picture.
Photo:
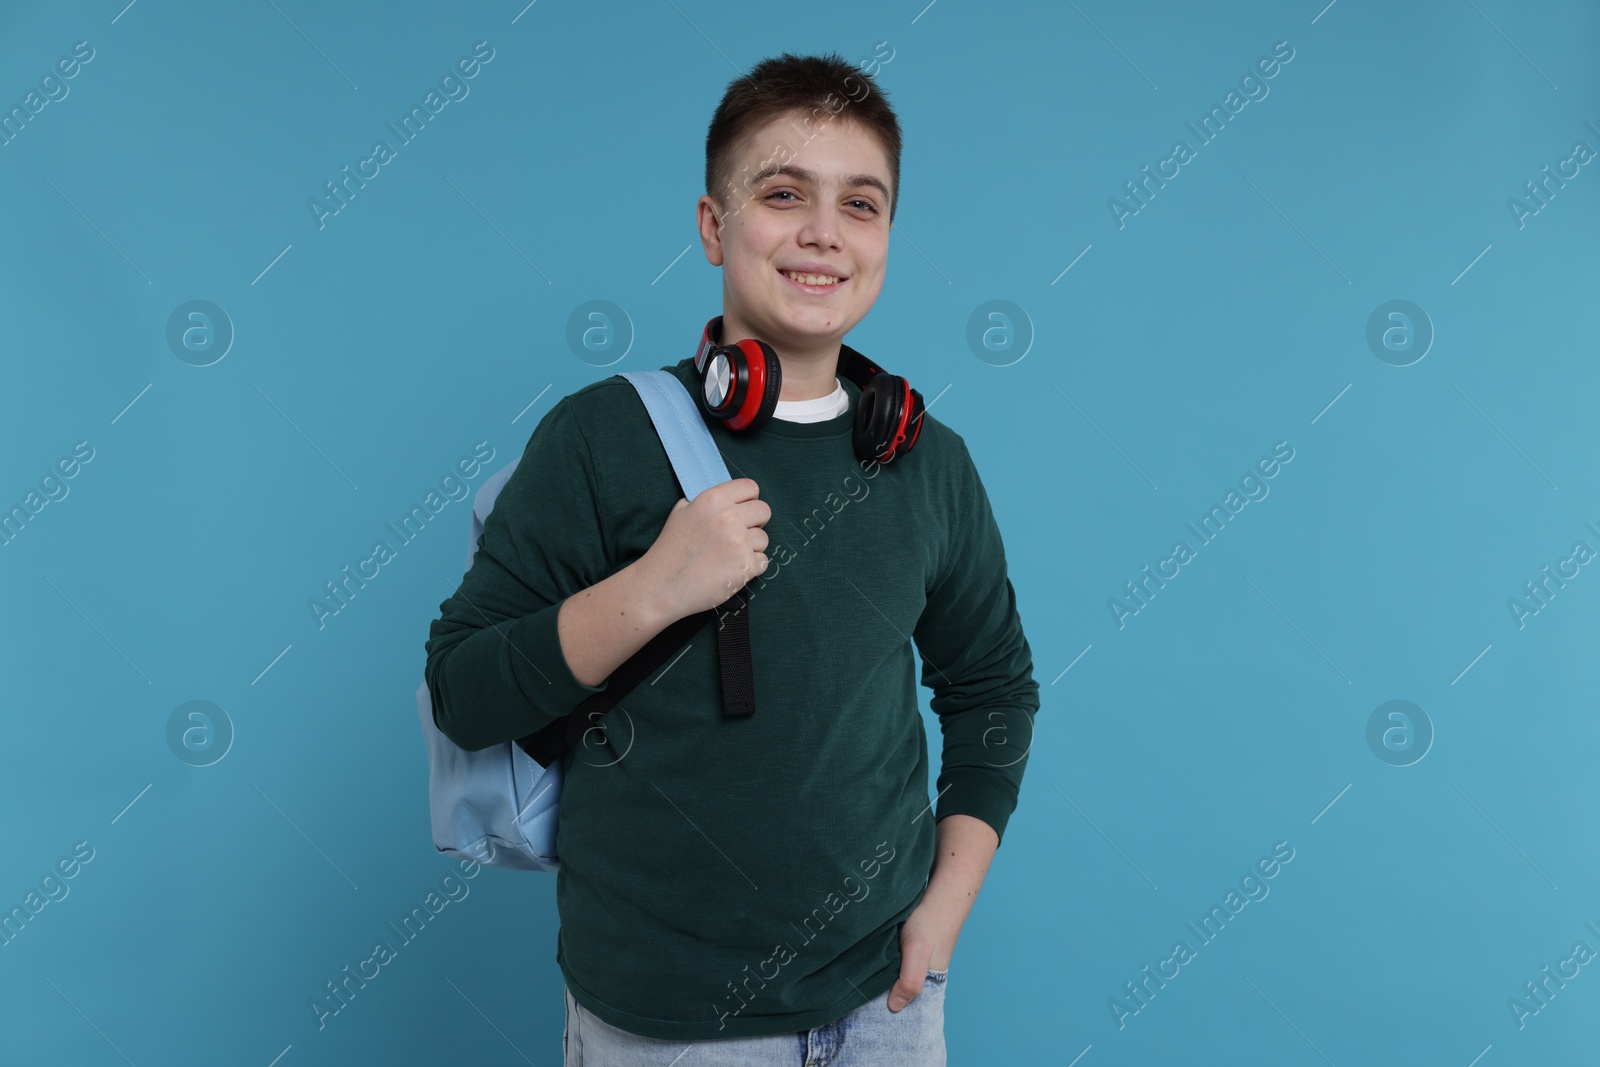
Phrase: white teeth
(810, 279)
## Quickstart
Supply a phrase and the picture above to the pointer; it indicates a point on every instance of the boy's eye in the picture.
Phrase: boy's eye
(857, 202)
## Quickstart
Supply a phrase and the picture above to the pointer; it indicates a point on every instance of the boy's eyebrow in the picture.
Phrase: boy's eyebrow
(810, 176)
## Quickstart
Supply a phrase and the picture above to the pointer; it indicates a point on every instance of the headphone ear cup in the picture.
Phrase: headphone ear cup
(765, 362)
(741, 384)
(878, 418)
(718, 380)
(913, 424)
(877, 415)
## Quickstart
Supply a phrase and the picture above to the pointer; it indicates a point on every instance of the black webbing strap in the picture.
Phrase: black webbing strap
(547, 744)
(733, 653)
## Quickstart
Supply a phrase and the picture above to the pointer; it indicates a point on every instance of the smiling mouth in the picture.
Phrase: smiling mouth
(813, 283)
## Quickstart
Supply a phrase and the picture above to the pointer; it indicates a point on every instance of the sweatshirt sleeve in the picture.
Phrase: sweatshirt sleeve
(977, 662)
(495, 668)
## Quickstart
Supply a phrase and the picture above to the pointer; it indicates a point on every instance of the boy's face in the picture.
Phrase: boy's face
(822, 215)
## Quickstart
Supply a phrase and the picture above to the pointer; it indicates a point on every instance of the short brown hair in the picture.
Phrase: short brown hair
(822, 85)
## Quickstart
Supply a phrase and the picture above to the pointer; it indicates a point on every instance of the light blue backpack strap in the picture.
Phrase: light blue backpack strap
(682, 429)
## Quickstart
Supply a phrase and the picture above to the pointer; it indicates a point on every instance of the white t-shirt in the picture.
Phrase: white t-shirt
(818, 410)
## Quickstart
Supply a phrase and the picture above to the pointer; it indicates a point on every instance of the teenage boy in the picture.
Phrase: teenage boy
(736, 883)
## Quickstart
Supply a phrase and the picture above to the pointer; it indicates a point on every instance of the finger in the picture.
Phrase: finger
(741, 489)
(906, 989)
(754, 514)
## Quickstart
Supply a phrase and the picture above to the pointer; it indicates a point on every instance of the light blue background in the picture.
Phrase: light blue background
(1229, 314)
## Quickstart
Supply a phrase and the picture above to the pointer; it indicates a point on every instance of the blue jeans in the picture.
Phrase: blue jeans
(869, 1036)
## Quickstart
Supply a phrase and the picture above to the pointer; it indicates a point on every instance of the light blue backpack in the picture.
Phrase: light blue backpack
(499, 806)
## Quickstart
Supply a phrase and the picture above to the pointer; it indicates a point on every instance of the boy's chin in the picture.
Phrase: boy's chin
(814, 322)
(809, 329)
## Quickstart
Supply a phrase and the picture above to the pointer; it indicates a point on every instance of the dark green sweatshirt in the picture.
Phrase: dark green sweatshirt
(741, 877)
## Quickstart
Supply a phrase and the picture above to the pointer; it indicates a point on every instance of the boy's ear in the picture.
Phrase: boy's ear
(709, 220)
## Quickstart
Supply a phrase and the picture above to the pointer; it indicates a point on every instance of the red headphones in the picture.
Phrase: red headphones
(739, 386)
